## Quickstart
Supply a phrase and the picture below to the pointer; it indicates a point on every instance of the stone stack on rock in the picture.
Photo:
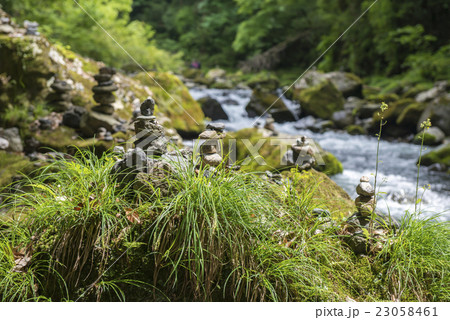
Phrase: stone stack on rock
(303, 154)
(210, 148)
(60, 98)
(31, 28)
(363, 232)
(5, 26)
(103, 92)
(365, 202)
(149, 133)
(269, 125)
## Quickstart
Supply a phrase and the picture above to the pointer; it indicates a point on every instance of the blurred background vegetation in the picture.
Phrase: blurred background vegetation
(395, 38)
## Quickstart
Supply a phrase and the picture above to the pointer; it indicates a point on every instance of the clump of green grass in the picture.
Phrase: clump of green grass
(417, 260)
(217, 236)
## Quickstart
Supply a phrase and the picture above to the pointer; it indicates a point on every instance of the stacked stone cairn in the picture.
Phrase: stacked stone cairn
(303, 154)
(365, 202)
(149, 133)
(364, 223)
(211, 147)
(103, 91)
(31, 28)
(60, 98)
(5, 26)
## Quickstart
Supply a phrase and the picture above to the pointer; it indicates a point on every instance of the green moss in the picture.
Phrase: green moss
(332, 164)
(411, 115)
(440, 155)
(387, 98)
(355, 130)
(62, 140)
(321, 100)
(270, 154)
(394, 110)
(326, 192)
(186, 114)
(418, 88)
(12, 165)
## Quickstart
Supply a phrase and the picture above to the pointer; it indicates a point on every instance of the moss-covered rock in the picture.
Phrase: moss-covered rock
(325, 191)
(387, 97)
(441, 155)
(433, 136)
(354, 130)
(439, 114)
(263, 80)
(409, 117)
(11, 165)
(268, 152)
(262, 100)
(390, 117)
(174, 100)
(320, 101)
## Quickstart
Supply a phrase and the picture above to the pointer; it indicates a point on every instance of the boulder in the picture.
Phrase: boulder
(342, 118)
(440, 156)
(390, 117)
(347, 83)
(409, 117)
(13, 137)
(91, 121)
(215, 74)
(321, 101)
(4, 144)
(212, 109)
(366, 110)
(433, 93)
(260, 102)
(433, 136)
(439, 115)
(355, 130)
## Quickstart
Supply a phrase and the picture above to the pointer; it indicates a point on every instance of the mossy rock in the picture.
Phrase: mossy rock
(387, 98)
(354, 130)
(262, 100)
(12, 165)
(320, 101)
(409, 117)
(61, 140)
(418, 88)
(185, 113)
(191, 73)
(325, 191)
(441, 155)
(271, 151)
(390, 116)
(263, 80)
(433, 136)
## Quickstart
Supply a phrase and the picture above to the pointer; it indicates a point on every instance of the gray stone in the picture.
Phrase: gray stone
(365, 189)
(13, 137)
(119, 150)
(213, 109)
(61, 86)
(218, 126)
(104, 98)
(6, 29)
(212, 160)
(104, 108)
(439, 114)
(105, 89)
(90, 121)
(102, 77)
(342, 119)
(148, 107)
(107, 70)
(4, 144)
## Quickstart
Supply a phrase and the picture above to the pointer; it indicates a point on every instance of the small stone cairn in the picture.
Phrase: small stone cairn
(149, 133)
(269, 125)
(103, 91)
(303, 154)
(60, 98)
(365, 202)
(5, 25)
(210, 148)
(361, 224)
(31, 28)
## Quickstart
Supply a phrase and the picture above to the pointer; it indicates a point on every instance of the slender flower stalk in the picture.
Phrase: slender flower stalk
(425, 126)
(383, 108)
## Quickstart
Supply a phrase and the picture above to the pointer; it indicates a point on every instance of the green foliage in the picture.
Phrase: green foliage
(65, 21)
(416, 263)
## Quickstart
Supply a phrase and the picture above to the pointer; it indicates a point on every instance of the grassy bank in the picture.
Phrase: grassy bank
(77, 235)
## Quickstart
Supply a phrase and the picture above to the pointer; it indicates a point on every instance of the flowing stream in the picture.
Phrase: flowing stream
(397, 171)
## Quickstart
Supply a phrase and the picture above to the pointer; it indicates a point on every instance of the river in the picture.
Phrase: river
(397, 171)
